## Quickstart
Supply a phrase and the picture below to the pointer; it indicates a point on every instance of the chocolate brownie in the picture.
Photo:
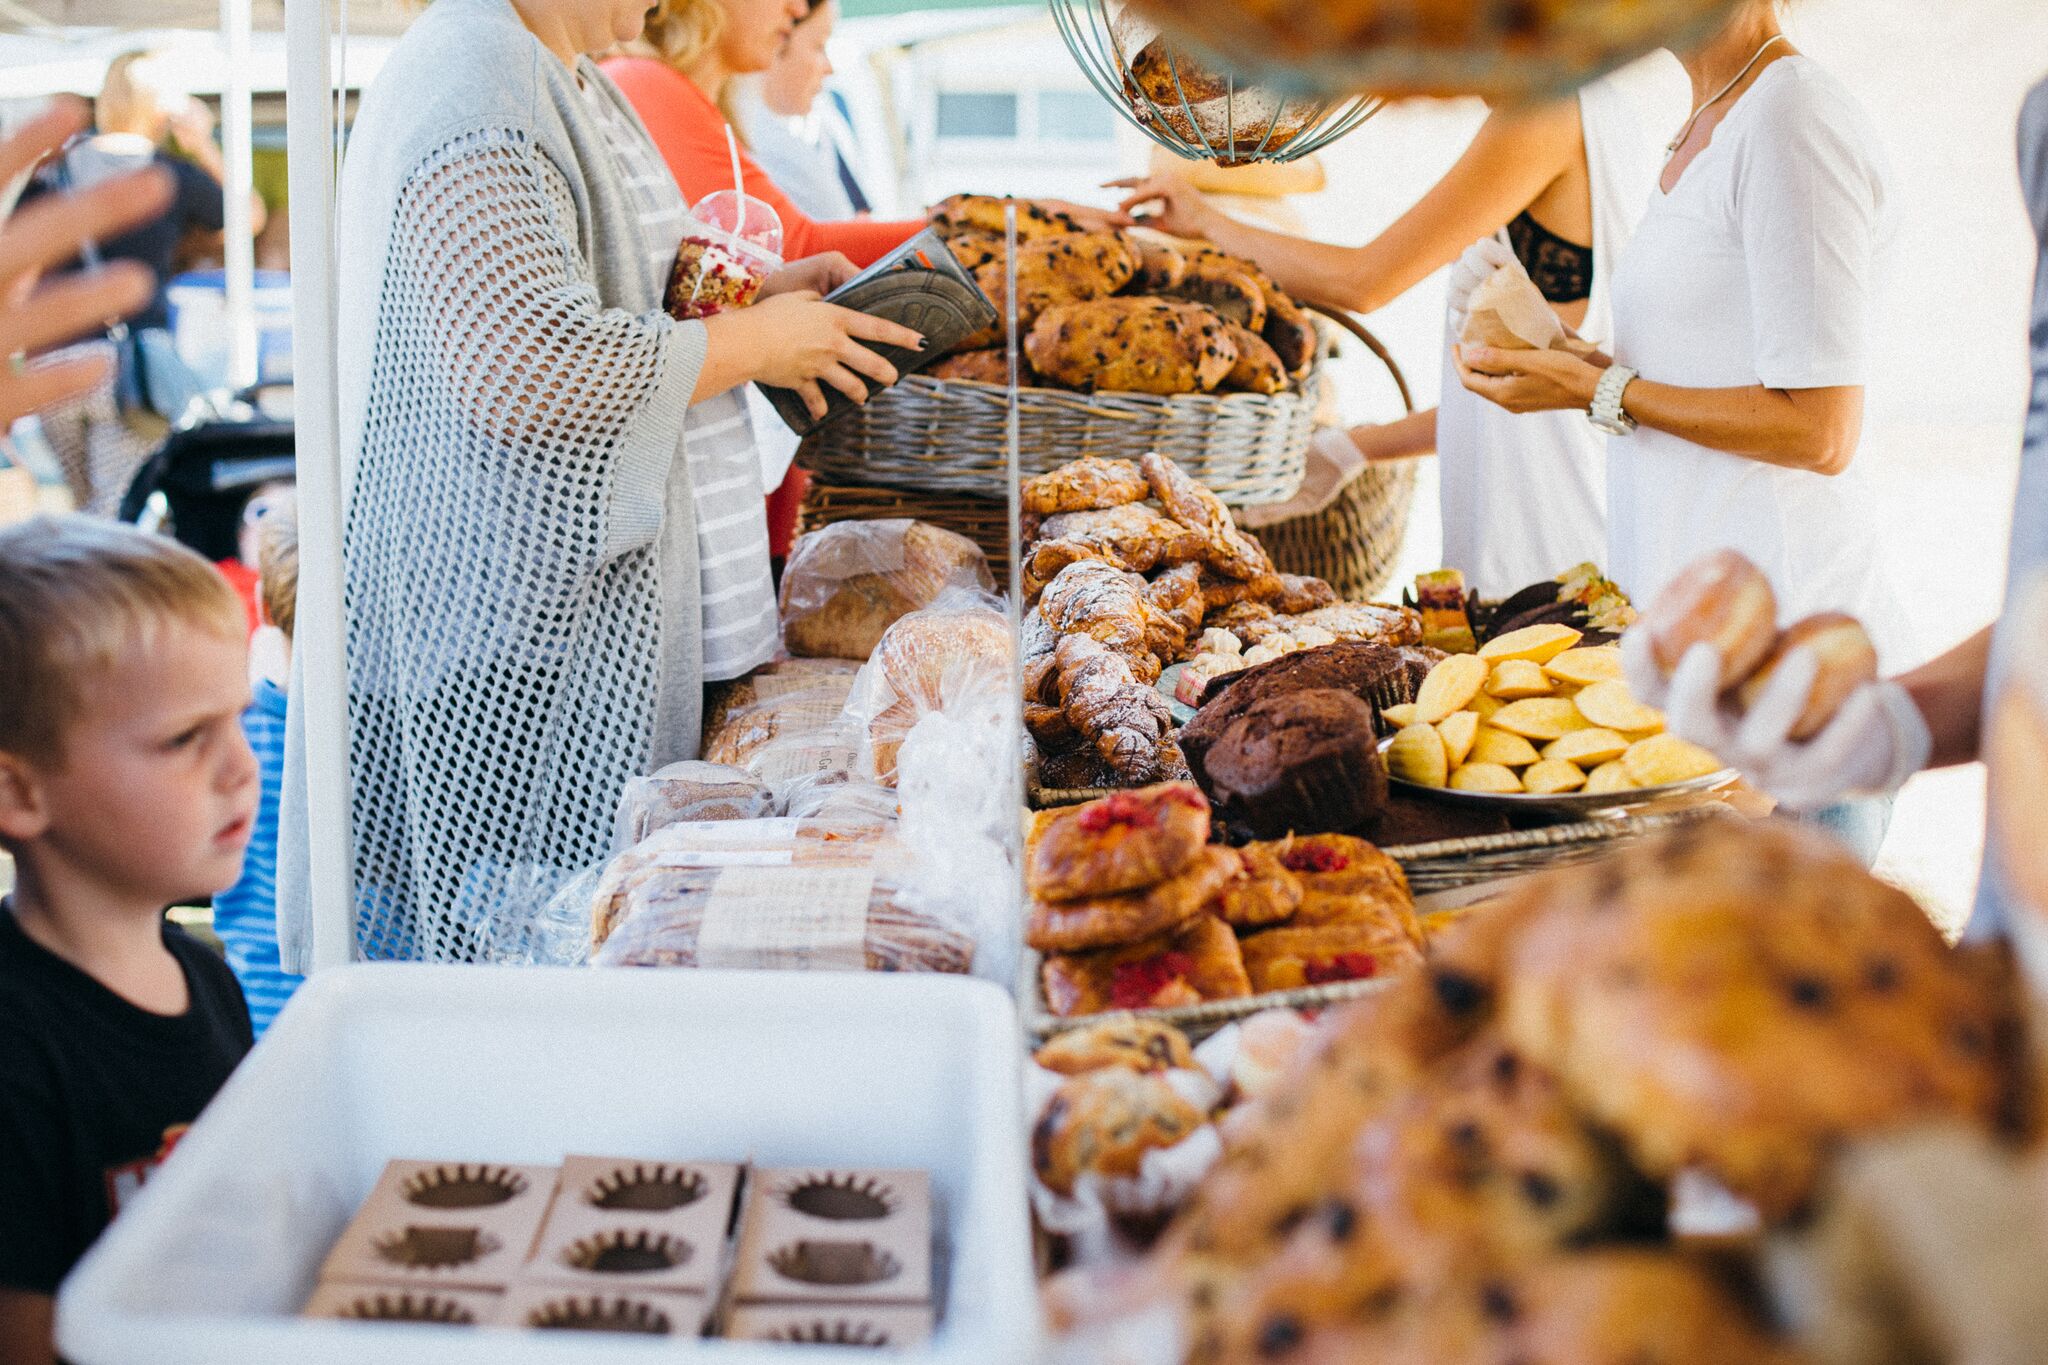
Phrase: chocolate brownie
(1304, 763)
(1375, 673)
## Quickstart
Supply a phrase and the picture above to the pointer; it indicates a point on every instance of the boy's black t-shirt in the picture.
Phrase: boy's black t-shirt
(93, 1093)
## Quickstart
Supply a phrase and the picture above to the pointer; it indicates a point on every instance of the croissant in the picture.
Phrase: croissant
(1125, 719)
(1093, 599)
(1084, 485)
(1177, 607)
(1132, 537)
(1231, 551)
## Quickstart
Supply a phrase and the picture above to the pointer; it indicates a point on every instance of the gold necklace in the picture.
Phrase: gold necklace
(1750, 66)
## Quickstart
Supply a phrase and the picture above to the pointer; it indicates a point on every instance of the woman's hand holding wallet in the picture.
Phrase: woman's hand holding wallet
(797, 341)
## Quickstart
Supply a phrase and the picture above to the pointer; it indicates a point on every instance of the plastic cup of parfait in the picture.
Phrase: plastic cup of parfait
(730, 247)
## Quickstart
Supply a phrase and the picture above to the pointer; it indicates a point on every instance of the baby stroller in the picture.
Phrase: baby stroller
(216, 455)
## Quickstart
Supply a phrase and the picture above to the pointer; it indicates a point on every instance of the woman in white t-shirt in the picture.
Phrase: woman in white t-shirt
(1742, 339)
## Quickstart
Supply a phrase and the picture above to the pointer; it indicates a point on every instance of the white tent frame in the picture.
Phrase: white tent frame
(319, 640)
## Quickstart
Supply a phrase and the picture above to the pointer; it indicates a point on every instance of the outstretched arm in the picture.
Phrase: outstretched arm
(1515, 156)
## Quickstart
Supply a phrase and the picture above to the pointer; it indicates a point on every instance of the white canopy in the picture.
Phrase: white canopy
(30, 16)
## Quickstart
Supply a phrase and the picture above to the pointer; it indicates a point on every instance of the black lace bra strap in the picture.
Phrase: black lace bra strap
(1563, 271)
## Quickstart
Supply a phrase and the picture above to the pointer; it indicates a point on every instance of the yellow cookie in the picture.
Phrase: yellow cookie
(1517, 678)
(1664, 759)
(1609, 705)
(1501, 748)
(1458, 729)
(1536, 644)
(1400, 717)
(1588, 748)
(1483, 706)
(1553, 776)
(1584, 667)
(1538, 718)
(1485, 777)
(1448, 687)
(1417, 755)
(1608, 778)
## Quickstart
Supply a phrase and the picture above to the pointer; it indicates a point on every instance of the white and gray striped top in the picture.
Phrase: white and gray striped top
(738, 593)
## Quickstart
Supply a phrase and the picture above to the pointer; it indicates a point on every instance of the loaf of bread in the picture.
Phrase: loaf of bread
(987, 365)
(770, 680)
(1138, 345)
(984, 213)
(926, 662)
(1258, 368)
(826, 899)
(1051, 270)
(847, 583)
(690, 791)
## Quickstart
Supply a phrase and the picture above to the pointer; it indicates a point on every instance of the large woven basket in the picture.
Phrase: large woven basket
(1355, 541)
(985, 521)
(950, 436)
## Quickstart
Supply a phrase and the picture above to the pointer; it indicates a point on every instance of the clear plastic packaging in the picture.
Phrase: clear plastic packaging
(949, 655)
(959, 823)
(731, 244)
(692, 790)
(847, 583)
(769, 894)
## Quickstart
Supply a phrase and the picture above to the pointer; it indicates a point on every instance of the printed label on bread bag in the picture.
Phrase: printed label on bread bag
(802, 918)
(781, 764)
(771, 686)
(726, 843)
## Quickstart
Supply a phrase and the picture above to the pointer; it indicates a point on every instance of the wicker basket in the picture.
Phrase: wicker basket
(950, 436)
(985, 521)
(1356, 540)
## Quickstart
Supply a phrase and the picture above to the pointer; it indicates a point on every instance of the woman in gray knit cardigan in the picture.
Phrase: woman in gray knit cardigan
(546, 484)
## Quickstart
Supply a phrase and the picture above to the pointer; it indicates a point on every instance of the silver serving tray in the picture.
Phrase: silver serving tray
(1585, 805)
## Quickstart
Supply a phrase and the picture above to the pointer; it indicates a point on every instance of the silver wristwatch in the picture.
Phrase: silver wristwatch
(1606, 413)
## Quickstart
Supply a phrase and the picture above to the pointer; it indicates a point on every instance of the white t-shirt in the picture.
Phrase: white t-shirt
(1761, 267)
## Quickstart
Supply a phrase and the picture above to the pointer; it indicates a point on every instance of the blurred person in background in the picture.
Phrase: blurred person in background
(1555, 191)
(797, 129)
(142, 118)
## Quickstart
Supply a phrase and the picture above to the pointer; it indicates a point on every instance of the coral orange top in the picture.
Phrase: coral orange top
(690, 131)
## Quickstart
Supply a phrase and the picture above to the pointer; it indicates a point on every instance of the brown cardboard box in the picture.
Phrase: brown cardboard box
(458, 1225)
(402, 1303)
(835, 1235)
(535, 1306)
(625, 1224)
(896, 1326)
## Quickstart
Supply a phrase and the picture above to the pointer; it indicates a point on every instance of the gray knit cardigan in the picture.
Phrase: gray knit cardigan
(520, 554)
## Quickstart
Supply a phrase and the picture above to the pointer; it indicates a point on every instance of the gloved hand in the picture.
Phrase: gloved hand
(1471, 270)
(1875, 742)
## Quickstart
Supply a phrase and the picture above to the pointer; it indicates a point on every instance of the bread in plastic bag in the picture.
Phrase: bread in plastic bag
(954, 651)
(807, 896)
(692, 790)
(770, 681)
(1508, 312)
(847, 583)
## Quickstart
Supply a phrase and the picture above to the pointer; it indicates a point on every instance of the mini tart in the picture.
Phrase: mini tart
(1106, 921)
(1104, 1122)
(1289, 958)
(1198, 961)
(1120, 843)
(1345, 880)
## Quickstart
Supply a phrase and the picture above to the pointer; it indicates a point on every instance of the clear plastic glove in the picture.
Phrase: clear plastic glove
(1875, 742)
(1472, 269)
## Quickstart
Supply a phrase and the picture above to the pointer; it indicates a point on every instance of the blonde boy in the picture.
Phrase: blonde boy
(125, 785)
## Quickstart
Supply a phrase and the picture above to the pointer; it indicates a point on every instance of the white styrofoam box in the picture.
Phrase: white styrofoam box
(527, 1065)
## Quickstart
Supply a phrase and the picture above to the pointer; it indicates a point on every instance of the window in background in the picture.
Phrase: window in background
(1075, 116)
(965, 114)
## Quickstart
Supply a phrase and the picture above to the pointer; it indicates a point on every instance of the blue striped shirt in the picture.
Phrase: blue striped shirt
(245, 915)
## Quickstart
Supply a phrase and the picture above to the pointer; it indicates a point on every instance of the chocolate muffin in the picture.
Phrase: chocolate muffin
(1375, 673)
(1305, 763)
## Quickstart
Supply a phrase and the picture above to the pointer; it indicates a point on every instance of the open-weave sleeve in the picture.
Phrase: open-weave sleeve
(505, 311)
(506, 629)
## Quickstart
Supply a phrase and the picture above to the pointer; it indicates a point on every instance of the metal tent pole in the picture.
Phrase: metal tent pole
(309, 119)
(238, 149)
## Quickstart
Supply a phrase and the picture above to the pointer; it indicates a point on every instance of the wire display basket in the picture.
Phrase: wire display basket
(1192, 109)
(1401, 48)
